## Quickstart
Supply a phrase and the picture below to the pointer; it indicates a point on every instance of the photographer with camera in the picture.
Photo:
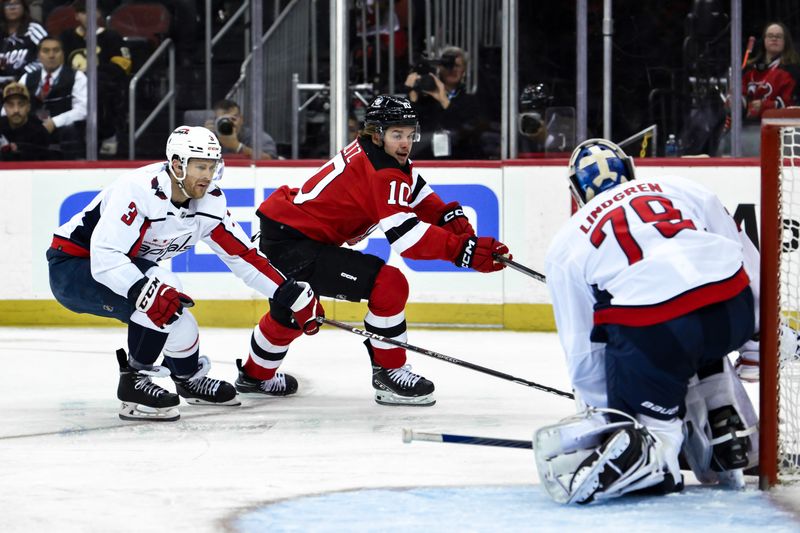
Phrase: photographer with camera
(533, 103)
(234, 136)
(449, 116)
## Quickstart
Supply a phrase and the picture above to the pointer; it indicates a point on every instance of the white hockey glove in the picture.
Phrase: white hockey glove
(747, 364)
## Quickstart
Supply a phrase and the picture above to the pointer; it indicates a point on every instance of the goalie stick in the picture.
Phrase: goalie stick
(520, 268)
(411, 435)
(442, 357)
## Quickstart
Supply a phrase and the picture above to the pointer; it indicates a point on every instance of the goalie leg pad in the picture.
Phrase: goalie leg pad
(585, 457)
(721, 428)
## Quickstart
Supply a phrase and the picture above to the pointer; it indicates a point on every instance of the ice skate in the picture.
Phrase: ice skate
(280, 385)
(199, 389)
(399, 386)
(141, 398)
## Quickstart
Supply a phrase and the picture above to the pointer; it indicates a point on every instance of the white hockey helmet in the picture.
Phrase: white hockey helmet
(187, 142)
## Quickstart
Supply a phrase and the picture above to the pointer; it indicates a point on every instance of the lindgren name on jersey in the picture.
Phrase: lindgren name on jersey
(592, 217)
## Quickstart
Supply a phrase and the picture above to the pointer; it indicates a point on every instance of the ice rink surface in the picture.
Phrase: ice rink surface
(327, 459)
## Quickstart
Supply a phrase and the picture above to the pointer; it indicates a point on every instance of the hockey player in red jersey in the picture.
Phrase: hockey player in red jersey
(370, 184)
(652, 285)
(103, 261)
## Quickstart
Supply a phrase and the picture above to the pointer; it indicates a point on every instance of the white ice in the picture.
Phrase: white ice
(327, 459)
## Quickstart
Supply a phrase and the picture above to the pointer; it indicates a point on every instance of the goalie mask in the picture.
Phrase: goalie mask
(188, 142)
(597, 165)
(386, 111)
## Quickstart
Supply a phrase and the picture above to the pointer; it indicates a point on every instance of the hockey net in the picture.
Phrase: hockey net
(780, 297)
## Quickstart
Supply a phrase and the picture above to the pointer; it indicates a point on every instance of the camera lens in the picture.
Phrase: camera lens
(530, 123)
(224, 126)
(425, 83)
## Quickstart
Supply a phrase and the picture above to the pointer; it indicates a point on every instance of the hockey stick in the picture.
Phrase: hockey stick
(442, 357)
(410, 435)
(520, 268)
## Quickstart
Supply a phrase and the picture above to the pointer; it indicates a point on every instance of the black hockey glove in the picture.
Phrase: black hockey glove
(299, 297)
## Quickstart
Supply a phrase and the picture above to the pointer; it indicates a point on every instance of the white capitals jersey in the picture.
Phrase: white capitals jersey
(134, 217)
(642, 253)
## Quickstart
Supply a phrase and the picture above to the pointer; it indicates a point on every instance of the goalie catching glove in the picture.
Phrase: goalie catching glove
(299, 297)
(477, 253)
(453, 219)
(162, 303)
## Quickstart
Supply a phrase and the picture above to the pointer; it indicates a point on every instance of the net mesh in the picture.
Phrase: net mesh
(789, 283)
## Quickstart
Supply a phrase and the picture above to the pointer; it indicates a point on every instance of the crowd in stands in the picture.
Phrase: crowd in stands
(457, 120)
(43, 75)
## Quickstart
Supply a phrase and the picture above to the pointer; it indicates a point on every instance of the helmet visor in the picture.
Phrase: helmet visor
(402, 132)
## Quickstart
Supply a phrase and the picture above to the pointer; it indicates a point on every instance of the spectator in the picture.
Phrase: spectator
(60, 98)
(770, 79)
(234, 136)
(22, 136)
(769, 82)
(20, 37)
(113, 68)
(450, 127)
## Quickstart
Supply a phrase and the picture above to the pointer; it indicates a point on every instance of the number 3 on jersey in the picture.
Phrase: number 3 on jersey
(655, 210)
(130, 216)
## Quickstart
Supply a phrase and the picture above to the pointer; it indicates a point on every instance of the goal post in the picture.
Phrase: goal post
(779, 394)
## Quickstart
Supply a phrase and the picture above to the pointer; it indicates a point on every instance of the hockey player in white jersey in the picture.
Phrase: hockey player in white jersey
(103, 262)
(652, 286)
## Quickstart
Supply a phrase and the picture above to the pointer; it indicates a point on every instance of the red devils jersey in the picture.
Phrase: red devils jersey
(774, 86)
(360, 189)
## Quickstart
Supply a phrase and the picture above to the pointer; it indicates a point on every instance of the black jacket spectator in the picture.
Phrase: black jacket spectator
(20, 38)
(59, 98)
(450, 120)
(22, 136)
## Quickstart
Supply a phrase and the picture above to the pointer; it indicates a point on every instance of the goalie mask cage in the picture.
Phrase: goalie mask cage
(780, 297)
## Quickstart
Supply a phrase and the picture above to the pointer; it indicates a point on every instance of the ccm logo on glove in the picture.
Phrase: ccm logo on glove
(477, 254)
(299, 297)
(454, 220)
(162, 303)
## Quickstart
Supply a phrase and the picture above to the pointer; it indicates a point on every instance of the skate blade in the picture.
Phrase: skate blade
(134, 411)
(733, 479)
(233, 402)
(262, 395)
(389, 398)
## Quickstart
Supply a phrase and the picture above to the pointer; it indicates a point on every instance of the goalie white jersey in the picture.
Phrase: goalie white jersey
(134, 217)
(639, 254)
